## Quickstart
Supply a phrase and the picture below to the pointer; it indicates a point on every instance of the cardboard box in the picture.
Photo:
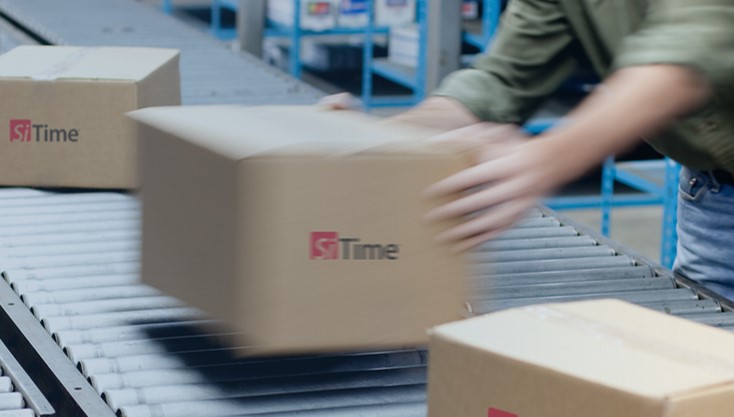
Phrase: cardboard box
(599, 358)
(298, 226)
(62, 112)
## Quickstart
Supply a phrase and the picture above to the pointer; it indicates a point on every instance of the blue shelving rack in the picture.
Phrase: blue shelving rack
(295, 33)
(216, 19)
(274, 29)
(492, 9)
(413, 78)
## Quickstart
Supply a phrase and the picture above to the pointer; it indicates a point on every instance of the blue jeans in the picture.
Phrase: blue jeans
(706, 232)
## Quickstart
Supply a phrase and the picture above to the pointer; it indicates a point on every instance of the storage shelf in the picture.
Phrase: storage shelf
(401, 74)
(476, 40)
(275, 29)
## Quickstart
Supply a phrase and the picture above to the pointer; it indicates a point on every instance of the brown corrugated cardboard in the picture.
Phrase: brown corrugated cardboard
(300, 227)
(62, 112)
(598, 358)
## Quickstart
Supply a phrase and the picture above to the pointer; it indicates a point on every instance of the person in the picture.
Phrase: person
(668, 76)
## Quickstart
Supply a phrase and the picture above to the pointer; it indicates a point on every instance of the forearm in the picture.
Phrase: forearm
(440, 113)
(632, 103)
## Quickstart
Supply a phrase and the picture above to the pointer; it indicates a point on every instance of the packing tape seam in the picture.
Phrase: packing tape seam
(623, 337)
(54, 71)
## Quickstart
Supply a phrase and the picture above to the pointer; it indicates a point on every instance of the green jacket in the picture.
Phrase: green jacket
(541, 42)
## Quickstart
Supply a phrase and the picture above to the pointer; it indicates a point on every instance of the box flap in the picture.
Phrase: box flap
(240, 132)
(47, 63)
(608, 342)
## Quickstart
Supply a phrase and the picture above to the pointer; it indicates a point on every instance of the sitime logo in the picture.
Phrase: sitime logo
(329, 246)
(493, 412)
(23, 130)
(20, 130)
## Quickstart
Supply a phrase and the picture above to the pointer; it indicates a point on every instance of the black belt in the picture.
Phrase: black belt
(723, 177)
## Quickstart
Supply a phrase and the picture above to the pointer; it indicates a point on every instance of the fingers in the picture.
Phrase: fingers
(486, 225)
(471, 243)
(494, 195)
(341, 101)
(480, 134)
(485, 173)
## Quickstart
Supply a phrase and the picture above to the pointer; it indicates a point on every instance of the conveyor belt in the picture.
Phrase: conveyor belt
(144, 355)
(10, 37)
(210, 73)
(19, 396)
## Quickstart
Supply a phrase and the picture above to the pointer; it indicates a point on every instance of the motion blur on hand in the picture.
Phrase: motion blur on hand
(341, 101)
(510, 175)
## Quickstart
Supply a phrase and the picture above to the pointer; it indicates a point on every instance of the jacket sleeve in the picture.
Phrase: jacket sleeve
(528, 59)
(698, 34)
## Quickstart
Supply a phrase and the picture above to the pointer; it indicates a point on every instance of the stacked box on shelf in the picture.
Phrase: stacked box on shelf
(352, 14)
(317, 15)
(470, 9)
(394, 12)
(323, 15)
(404, 45)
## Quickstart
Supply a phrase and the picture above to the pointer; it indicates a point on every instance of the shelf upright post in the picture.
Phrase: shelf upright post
(443, 53)
(295, 55)
(251, 18)
(490, 20)
(420, 72)
(216, 24)
(368, 56)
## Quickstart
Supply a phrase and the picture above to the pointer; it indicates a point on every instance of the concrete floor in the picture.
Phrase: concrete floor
(638, 228)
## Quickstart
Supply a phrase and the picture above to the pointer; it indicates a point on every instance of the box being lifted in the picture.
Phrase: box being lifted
(62, 112)
(601, 358)
(299, 227)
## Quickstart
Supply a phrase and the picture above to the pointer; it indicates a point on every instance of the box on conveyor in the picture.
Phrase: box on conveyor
(598, 358)
(62, 112)
(298, 226)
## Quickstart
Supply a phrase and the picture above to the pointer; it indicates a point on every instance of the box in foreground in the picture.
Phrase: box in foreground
(599, 358)
(299, 227)
(62, 112)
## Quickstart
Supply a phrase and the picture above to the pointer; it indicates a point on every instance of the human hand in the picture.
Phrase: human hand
(511, 174)
(341, 101)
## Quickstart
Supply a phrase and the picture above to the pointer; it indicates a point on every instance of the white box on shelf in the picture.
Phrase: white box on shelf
(317, 15)
(470, 9)
(404, 45)
(352, 14)
(394, 12)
